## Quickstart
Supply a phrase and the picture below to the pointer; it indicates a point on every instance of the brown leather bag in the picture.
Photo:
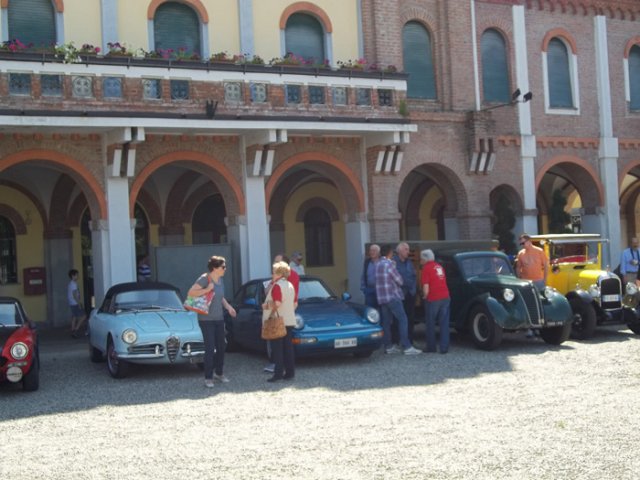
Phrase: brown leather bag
(273, 327)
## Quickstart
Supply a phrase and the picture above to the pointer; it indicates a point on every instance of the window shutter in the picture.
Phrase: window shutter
(176, 26)
(418, 61)
(560, 94)
(495, 73)
(304, 37)
(634, 77)
(32, 22)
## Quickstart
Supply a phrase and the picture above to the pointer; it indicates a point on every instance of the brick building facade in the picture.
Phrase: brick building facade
(125, 152)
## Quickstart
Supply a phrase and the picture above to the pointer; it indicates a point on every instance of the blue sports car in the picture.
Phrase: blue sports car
(143, 323)
(325, 324)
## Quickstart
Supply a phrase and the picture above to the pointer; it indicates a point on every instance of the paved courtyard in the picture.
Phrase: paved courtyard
(525, 411)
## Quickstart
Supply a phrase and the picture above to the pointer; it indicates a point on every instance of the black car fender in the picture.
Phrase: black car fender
(581, 294)
(494, 307)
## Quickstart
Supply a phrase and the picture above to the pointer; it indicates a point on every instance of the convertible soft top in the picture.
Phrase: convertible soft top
(135, 286)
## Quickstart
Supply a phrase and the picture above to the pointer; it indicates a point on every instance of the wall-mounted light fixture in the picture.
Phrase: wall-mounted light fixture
(515, 98)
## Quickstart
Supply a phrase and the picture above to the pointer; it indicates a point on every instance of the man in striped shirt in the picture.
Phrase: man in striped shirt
(390, 297)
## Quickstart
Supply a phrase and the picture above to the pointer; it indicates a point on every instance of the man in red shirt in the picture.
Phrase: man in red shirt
(436, 301)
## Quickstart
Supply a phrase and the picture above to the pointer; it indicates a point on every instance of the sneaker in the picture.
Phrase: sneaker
(208, 383)
(220, 378)
(392, 349)
(411, 351)
(270, 368)
(530, 334)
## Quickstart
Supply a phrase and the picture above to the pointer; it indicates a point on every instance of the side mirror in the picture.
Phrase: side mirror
(346, 296)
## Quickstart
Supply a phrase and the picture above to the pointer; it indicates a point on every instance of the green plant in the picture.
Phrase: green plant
(117, 49)
(67, 52)
(220, 57)
(256, 60)
(403, 109)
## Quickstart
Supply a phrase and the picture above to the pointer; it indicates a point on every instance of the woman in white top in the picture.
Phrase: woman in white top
(281, 295)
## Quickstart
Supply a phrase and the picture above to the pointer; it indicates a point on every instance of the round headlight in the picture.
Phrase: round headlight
(549, 292)
(631, 288)
(19, 350)
(299, 322)
(594, 291)
(373, 316)
(508, 295)
(129, 336)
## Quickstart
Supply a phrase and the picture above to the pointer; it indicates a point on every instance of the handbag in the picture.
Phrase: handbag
(199, 304)
(273, 327)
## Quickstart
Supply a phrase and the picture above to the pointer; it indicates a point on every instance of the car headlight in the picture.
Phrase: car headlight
(631, 288)
(129, 336)
(508, 295)
(373, 316)
(19, 350)
(594, 291)
(299, 322)
(549, 292)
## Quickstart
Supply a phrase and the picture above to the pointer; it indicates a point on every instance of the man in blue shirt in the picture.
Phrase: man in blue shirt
(368, 277)
(405, 268)
(630, 261)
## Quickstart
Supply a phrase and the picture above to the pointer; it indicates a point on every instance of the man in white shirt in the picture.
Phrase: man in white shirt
(78, 315)
(296, 259)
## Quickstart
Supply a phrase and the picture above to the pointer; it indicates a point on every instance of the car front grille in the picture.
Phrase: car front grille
(611, 286)
(531, 299)
(173, 346)
(193, 348)
(148, 349)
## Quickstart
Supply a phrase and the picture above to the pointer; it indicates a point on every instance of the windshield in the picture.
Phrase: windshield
(485, 265)
(148, 299)
(573, 252)
(9, 315)
(312, 290)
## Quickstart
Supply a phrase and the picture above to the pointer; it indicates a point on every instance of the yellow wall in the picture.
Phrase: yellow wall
(82, 22)
(132, 24)
(30, 252)
(428, 225)
(335, 276)
(224, 26)
(343, 15)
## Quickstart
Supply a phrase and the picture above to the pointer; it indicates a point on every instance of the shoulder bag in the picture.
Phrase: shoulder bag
(273, 326)
(200, 304)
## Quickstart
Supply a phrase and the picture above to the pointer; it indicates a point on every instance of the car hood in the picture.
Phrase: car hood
(495, 280)
(151, 322)
(328, 315)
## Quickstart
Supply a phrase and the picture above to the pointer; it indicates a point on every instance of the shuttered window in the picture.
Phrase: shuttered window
(495, 71)
(8, 257)
(634, 77)
(32, 22)
(176, 27)
(559, 75)
(318, 241)
(304, 37)
(418, 61)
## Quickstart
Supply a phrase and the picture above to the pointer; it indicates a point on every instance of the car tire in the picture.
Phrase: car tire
(556, 335)
(117, 368)
(485, 332)
(632, 321)
(31, 381)
(584, 319)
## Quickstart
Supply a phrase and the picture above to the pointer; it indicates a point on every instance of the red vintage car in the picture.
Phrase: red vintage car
(19, 358)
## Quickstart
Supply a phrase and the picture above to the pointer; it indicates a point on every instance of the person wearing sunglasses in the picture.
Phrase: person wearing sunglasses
(212, 323)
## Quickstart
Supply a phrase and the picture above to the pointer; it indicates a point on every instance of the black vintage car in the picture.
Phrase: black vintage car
(488, 299)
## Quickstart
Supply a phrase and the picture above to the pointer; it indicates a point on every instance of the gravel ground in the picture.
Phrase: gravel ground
(525, 411)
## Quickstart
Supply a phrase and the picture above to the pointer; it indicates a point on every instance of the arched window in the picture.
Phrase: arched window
(176, 26)
(208, 221)
(32, 22)
(634, 77)
(559, 75)
(495, 71)
(304, 37)
(418, 61)
(8, 259)
(318, 238)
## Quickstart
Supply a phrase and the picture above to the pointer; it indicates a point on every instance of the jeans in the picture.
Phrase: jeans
(215, 344)
(409, 305)
(437, 310)
(370, 297)
(390, 310)
(283, 357)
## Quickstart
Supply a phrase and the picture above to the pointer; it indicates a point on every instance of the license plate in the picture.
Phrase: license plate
(610, 298)
(345, 342)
